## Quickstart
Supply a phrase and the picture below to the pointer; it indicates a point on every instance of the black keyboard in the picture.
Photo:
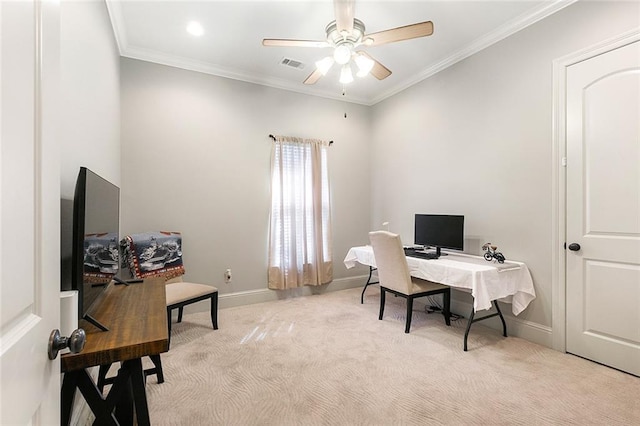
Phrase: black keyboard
(421, 254)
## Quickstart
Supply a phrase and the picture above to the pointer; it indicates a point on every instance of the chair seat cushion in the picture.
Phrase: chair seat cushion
(183, 291)
(420, 286)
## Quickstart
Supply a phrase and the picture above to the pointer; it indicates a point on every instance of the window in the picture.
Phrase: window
(300, 228)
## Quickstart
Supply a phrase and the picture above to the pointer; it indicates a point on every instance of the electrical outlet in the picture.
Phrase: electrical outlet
(227, 276)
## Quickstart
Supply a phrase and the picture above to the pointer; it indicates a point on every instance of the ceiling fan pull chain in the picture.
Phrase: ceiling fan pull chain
(344, 93)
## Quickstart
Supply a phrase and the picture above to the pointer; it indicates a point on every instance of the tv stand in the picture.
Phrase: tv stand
(95, 322)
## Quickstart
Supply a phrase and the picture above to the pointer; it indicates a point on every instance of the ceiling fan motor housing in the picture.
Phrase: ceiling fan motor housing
(354, 37)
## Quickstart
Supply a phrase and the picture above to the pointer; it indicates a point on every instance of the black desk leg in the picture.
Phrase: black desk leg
(504, 324)
(68, 392)
(123, 410)
(469, 322)
(371, 269)
(126, 394)
(472, 320)
(103, 409)
(139, 395)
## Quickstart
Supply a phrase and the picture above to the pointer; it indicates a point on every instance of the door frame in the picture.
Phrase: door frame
(559, 178)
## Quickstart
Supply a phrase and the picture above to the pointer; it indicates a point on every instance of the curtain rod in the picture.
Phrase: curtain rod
(274, 138)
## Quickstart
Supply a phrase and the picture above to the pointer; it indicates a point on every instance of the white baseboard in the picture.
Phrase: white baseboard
(266, 295)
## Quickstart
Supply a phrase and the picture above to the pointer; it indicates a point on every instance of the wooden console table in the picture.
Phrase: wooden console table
(136, 316)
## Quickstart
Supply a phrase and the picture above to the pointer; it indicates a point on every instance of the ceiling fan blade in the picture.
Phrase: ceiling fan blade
(379, 71)
(313, 77)
(345, 12)
(293, 43)
(401, 33)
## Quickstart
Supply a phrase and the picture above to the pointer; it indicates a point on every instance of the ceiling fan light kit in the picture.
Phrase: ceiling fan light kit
(345, 34)
(346, 76)
(342, 53)
(325, 64)
(364, 64)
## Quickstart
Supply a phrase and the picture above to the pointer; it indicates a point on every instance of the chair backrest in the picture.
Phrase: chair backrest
(391, 261)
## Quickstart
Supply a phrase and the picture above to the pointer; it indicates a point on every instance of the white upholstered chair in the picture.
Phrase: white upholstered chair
(393, 272)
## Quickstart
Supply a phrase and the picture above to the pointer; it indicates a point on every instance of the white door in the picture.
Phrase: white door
(29, 216)
(603, 208)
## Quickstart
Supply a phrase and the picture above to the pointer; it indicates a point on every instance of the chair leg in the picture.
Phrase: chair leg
(158, 368)
(214, 310)
(169, 324)
(180, 309)
(102, 376)
(409, 313)
(446, 311)
(382, 296)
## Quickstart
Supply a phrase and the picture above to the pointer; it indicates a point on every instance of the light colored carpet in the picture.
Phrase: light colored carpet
(327, 360)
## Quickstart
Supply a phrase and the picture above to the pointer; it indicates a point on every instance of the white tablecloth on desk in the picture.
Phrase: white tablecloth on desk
(511, 284)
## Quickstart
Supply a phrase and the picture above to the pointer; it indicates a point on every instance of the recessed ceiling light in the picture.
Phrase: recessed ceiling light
(195, 29)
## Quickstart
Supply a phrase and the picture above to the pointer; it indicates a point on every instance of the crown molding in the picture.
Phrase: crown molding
(161, 58)
(530, 17)
(114, 9)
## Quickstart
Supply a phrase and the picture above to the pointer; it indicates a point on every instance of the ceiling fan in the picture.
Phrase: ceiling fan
(345, 35)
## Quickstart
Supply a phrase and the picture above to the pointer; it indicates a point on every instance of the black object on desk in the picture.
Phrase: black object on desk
(422, 254)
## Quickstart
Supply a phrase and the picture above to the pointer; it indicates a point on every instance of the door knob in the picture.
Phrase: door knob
(75, 342)
(574, 246)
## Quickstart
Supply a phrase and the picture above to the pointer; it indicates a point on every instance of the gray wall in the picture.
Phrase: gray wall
(196, 159)
(89, 118)
(476, 139)
(90, 93)
(89, 107)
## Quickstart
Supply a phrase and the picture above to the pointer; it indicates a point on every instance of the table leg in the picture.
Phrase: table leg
(127, 392)
(469, 322)
(68, 392)
(371, 269)
(504, 324)
(139, 394)
(103, 409)
(123, 410)
(472, 320)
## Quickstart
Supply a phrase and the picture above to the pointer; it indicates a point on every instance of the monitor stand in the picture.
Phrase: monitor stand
(437, 254)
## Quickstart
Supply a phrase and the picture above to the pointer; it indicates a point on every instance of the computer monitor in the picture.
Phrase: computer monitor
(439, 231)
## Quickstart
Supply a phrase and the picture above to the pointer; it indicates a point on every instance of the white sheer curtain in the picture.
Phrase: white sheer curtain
(300, 231)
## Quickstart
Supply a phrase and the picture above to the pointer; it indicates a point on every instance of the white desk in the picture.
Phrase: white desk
(487, 281)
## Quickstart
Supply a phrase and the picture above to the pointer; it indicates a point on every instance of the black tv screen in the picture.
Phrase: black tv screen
(439, 231)
(96, 230)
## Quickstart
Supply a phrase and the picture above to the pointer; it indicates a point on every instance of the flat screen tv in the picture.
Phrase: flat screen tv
(439, 231)
(95, 251)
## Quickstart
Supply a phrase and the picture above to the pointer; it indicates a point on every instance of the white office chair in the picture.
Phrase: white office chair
(395, 278)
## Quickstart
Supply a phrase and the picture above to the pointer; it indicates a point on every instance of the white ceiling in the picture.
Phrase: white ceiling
(232, 43)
